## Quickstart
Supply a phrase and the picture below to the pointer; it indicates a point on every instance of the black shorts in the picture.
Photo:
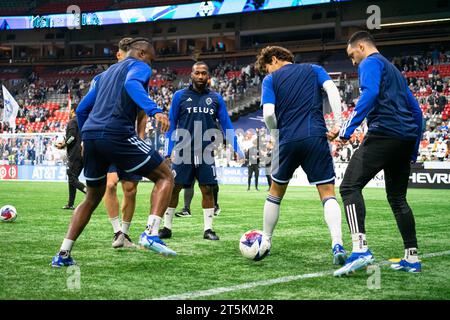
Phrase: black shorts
(132, 155)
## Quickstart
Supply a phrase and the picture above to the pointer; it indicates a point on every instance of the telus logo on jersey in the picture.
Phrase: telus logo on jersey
(200, 110)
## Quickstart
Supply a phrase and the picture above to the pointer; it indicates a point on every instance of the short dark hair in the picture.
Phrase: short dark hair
(124, 44)
(361, 36)
(266, 54)
(136, 42)
(200, 63)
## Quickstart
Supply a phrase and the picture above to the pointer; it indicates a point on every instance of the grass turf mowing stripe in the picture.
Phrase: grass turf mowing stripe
(249, 285)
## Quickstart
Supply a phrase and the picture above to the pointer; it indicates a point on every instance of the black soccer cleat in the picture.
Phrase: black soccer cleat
(186, 212)
(210, 235)
(165, 233)
(67, 207)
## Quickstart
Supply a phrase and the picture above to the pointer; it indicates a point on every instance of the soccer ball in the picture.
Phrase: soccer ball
(8, 213)
(254, 245)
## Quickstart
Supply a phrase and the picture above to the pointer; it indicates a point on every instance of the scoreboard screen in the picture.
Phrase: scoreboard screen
(75, 17)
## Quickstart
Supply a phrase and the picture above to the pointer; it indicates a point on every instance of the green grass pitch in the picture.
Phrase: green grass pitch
(301, 246)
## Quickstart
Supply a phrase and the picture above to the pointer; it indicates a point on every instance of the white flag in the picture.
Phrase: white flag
(11, 107)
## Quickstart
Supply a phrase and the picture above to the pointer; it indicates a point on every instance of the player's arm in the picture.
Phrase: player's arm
(334, 98)
(227, 126)
(370, 71)
(142, 119)
(85, 106)
(173, 120)
(268, 102)
(137, 79)
(94, 82)
(418, 119)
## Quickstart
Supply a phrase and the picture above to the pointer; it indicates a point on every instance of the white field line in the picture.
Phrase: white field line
(250, 285)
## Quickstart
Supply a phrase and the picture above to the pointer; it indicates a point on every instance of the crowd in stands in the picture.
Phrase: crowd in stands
(428, 77)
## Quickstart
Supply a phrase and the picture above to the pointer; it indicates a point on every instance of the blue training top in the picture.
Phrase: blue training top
(111, 106)
(296, 92)
(386, 101)
(197, 112)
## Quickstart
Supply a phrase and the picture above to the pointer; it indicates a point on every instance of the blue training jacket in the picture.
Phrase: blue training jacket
(112, 104)
(387, 103)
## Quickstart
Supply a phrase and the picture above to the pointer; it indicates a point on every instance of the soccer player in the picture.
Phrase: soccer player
(193, 116)
(394, 121)
(75, 161)
(292, 103)
(106, 117)
(129, 181)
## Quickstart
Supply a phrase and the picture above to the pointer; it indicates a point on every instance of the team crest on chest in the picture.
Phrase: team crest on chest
(208, 101)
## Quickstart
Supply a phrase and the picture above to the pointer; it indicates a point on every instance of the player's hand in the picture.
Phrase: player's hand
(342, 142)
(162, 119)
(59, 145)
(333, 133)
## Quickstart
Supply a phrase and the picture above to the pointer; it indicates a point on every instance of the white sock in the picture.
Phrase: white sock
(168, 218)
(359, 242)
(411, 255)
(126, 227)
(153, 223)
(208, 215)
(115, 224)
(332, 214)
(271, 214)
(67, 245)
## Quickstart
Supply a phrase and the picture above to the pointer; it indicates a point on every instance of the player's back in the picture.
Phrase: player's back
(298, 106)
(114, 112)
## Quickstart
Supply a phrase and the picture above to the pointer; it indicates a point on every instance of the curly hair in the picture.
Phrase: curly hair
(266, 54)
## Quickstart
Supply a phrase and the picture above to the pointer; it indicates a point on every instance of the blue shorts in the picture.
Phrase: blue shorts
(312, 154)
(123, 175)
(185, 174)
(132, 155)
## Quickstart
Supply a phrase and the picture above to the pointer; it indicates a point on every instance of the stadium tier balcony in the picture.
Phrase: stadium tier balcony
(14, 8)
(128, 4)
(85, 6)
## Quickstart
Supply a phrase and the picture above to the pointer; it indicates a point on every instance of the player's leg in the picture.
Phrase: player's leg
(73, 171)
(288, 161)
(333, 218)
(188, 196)
(112, 205)
(272, 207)
(95, 171)
(78, 184)
(72, 191)
(83, 211)
(396, 177)
(206, 177)
(161, 194)
(250, 173)
(166, 232)
(366, 162)
(256, 176)
(135, 156)
(216, 200)
(208, 211)
(318, 166)
(129, 189)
